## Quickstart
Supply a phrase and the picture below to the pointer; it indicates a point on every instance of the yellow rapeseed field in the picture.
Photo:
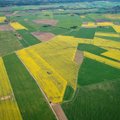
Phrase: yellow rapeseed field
(49, 80)
(61, 56)
(104, 23)
(102, 60)
(52, 65)
(116, 28)
(106, 34)
(17, 26)
(2, 19)
(106, 43)
(89, 25)
(82, 16)
(115, 54)
(8, 106)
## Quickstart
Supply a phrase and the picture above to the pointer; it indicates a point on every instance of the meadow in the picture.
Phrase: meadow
(8, 43)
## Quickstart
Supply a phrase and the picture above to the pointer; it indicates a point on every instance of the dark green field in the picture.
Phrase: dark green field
(68, 93)
(87, 74)
(91, 48)
(105, 29)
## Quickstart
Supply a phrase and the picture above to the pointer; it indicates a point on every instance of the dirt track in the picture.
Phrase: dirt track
(43, 36)
(59, 112)
(79, 57)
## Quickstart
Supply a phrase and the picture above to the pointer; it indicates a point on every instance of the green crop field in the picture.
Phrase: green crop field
(91, 48)
(105, 29)
(61, 60)
(83, 33)
(88, 76)
(95, 102)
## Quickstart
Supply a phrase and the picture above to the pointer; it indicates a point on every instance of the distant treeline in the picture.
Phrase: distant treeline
(38, 2)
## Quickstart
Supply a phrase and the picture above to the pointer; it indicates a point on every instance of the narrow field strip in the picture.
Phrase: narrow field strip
(116, 28)
(102, 60)
(104, 23)
(49, 80)
(30, 99)
(17, 26)
(8, 106)
(115, 54)
(107, 34)
(105, 43)
(89, 25)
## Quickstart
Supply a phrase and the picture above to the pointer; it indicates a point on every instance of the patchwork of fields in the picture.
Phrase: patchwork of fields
(59, 64)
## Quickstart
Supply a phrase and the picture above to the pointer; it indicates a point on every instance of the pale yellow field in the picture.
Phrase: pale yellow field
(116, 28)
(2, 19)
(106, 43)
(102, 60)
(8, 106)
(115, 54)
(107, 34)
(112, 16)
(17, 26)
(82, 16)
(104, 23)
(89, 25)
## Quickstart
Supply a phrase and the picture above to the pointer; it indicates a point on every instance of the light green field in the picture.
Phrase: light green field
(8, 43)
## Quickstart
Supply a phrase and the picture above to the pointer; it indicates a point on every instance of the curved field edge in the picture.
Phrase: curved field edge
(30, 99)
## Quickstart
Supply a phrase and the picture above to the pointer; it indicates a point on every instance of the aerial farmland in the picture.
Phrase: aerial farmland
(60, 61)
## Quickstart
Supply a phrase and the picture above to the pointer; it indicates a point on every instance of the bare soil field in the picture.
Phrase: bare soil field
(43, 36)
(6, 28)
(46, 22)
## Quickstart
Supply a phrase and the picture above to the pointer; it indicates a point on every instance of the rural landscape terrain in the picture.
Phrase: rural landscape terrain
(60, 61)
